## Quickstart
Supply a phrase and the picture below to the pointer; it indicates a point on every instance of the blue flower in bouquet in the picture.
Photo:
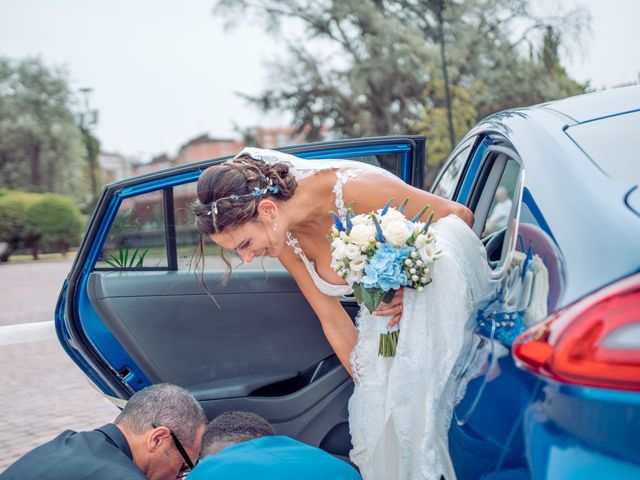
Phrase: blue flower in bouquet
(385, 269)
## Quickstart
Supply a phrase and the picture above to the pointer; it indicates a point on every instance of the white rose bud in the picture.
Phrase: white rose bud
(408, 262)
(415, 278)
(419, 263)
(414, 254)
(420, 288)
(424, 280)
(413, 270)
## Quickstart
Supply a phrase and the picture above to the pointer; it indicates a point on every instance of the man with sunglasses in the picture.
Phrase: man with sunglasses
(157, 436)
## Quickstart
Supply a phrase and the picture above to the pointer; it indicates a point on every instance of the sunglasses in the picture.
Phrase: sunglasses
(188, 465)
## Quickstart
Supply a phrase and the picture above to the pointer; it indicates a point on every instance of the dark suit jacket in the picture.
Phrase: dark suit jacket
(101, 454)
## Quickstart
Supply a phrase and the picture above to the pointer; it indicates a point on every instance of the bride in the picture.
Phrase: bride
(265, 202)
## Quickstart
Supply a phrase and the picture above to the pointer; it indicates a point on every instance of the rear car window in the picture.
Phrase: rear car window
(613, 143)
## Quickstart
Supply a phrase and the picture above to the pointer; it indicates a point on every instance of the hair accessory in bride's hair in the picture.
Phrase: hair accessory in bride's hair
(257, 192)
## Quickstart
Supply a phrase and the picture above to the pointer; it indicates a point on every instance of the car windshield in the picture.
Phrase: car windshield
(613, 144)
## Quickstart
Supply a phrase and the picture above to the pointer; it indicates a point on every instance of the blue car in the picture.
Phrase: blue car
(556, 389)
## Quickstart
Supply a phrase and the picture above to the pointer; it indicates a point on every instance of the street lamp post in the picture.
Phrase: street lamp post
(87, 120)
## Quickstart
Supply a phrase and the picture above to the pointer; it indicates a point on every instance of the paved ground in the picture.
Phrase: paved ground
(41, 391)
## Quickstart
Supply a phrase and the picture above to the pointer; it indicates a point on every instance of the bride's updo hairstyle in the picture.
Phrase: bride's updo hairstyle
(229, 193)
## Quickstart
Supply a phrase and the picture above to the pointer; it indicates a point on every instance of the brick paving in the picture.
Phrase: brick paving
(42, 392)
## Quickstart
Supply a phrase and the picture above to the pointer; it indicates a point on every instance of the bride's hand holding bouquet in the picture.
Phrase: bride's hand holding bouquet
(380, 252)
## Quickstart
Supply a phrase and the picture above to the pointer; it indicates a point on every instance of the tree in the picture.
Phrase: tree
(434, 123)
(366, 80)
(363, 67)
(41, 147)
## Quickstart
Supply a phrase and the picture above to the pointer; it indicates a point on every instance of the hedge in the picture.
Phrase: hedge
(13, 216)
(54, 223)
(39, 222)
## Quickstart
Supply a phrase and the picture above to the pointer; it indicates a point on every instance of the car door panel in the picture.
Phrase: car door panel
(175, 332)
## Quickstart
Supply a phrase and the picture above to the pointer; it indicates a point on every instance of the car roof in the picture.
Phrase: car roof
(591, 106)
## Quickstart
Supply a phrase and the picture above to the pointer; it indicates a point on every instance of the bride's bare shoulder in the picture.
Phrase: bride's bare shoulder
(372, 189)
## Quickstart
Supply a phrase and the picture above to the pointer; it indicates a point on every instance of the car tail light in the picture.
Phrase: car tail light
(594, 342)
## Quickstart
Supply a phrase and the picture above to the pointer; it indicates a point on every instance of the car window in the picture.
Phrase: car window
(494, 200)
(388, 161)
(446, 184)
(502, 203)
(613, 144)
(136, 238)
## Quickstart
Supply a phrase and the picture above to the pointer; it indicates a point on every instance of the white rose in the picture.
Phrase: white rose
(361, 234)
(338, 249)
(352, 251)
(357, 264)
(392, 215)
(361, 220)
(396, 233)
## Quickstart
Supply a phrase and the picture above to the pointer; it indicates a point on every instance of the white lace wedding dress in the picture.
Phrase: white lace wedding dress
(401, 407)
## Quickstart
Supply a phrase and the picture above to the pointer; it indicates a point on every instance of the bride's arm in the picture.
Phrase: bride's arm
(336, 323)
(372, 190)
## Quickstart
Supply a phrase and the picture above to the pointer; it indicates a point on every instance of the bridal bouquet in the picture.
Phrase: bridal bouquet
(379, 252)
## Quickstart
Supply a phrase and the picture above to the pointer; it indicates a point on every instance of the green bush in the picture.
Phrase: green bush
(53, 223)
(13, 216)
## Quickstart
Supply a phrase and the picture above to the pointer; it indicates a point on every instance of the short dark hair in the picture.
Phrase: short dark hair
(164, 405)
(230, 428)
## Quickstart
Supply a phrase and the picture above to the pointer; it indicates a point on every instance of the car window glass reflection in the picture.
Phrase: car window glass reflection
(136, 238)
(447, 183)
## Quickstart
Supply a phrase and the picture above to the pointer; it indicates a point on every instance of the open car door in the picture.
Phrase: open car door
(134, 310)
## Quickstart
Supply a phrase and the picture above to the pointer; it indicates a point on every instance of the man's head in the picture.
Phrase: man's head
(231, 428)
(502, 194)
(158, 422)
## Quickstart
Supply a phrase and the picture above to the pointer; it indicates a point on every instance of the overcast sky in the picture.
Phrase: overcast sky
(165, 71)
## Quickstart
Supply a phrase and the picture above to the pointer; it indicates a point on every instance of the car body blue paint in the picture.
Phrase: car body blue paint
(64, 338)
(569, 431)
(470, 174)
(402, 148)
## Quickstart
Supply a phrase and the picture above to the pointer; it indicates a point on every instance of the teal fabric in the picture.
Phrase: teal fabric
(266, 458)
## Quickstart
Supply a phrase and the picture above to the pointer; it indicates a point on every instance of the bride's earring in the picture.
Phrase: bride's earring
(275, 226)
